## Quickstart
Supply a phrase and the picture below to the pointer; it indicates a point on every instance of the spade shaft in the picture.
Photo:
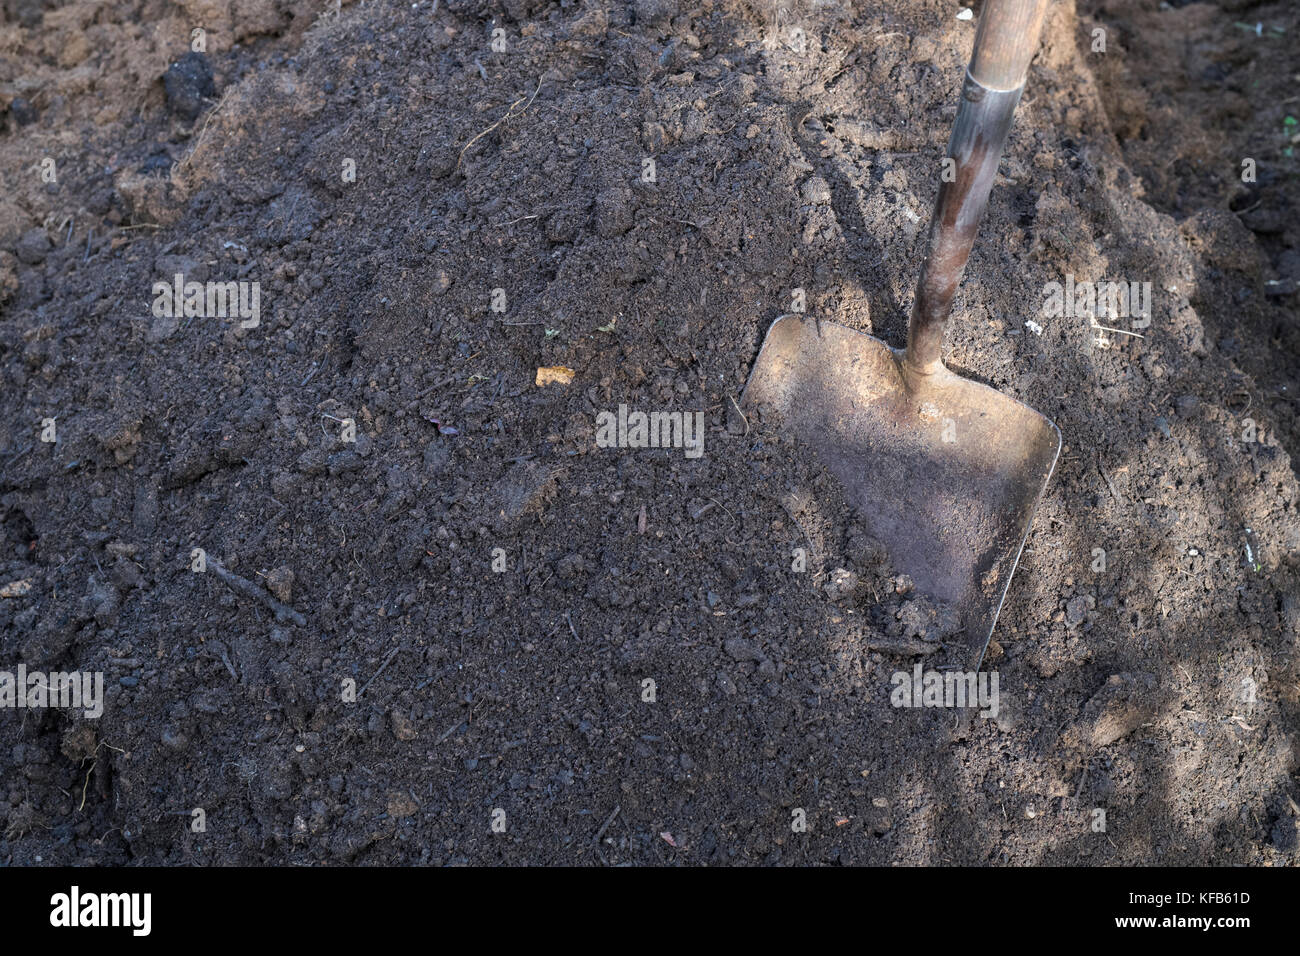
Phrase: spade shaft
(1004, 44)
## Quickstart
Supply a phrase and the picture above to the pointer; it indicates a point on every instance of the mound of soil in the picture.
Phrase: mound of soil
(363, 591)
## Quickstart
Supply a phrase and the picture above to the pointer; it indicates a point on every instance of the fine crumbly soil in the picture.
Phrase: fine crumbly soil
(683, 655)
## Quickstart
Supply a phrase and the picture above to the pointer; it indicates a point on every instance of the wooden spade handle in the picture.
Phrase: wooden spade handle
(1004, 44)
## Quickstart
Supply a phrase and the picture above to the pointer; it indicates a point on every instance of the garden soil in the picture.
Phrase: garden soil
(363, 592)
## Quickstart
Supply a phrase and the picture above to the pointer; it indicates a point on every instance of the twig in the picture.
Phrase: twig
(1107, 328)
(225, 659)
(1082, 777)
(605, 826)
(375, 676)
(733, 517)
(740, 413)
(509, 113)
(450, 730)
(256, 539)
(201, 140)
(85, 783)
(1113, 492)
(283, 613)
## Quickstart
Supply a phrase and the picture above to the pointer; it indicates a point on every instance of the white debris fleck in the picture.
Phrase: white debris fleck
(965, 14)
(1033, 326)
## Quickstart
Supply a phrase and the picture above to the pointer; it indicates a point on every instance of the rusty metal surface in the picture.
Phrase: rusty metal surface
(945, 472)
(983, 120)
